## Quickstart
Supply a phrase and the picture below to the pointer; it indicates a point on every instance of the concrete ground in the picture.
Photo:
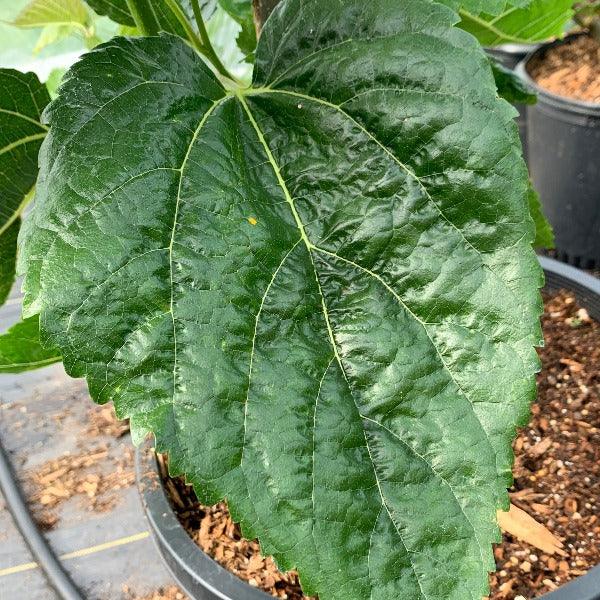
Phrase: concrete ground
(43, 416)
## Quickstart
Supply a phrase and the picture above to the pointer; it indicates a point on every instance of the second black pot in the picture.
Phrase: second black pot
(563, 141)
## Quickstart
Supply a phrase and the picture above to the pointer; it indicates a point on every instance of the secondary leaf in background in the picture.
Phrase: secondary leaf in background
(54, 80)
(22, 99)
(39, 13)
(319, 293)
(20, 348)
(223, 32)
(59, 19)
(544, 236)
(540, 20)
(477, 7)
(117, 10)
(510, 85)
(8, 246)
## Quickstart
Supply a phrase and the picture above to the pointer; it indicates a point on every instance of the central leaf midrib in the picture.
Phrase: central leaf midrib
(313, 248)
(309, 246)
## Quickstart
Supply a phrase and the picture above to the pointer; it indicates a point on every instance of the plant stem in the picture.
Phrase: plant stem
(182, 18)
(143, 15)
(207, 48)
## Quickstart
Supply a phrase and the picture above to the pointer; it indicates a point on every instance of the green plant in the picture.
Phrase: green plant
(519, 22)
(587, 15)
(319, 292)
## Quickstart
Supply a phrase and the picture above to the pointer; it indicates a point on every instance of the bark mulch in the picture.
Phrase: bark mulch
(557, 470)
(571, 69)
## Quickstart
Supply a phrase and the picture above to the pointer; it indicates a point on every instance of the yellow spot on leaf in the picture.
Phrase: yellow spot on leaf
(252, 221)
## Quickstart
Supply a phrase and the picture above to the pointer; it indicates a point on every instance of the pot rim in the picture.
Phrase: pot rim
(564, 102)
(513, 48)
(194, 570)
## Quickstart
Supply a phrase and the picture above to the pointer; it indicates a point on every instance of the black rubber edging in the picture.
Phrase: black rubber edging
(202, 578)
(57, 577)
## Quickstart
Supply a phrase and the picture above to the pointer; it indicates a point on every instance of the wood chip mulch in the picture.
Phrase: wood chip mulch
(557, 470)
(103, 422)
(557, 477)
(167, 593)
(213, 530)
(571, 69)
(81, 475)
(94, 474)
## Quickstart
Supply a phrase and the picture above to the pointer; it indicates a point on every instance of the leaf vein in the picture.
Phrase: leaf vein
(309, 248)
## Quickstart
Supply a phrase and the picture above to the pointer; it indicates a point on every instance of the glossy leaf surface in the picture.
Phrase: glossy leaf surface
(22, 99)
(20, 348)
(319, 293)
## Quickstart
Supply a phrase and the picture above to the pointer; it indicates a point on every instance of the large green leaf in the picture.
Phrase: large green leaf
(20, 348)
(22, 99)
(319, 293)
(541, 20)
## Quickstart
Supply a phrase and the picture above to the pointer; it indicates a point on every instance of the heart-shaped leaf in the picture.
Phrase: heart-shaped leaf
(319, 293)
(22, 99)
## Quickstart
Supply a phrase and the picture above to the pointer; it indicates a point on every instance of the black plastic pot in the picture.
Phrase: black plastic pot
(204, 579)
(563, 141)
(509, 56)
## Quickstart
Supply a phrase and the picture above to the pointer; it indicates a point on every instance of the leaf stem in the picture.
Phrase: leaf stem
(207, 48)
(144, 17)
(193, 37)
